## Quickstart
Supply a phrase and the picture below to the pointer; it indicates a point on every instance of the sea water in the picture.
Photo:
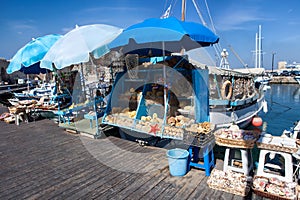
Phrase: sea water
(283, 108)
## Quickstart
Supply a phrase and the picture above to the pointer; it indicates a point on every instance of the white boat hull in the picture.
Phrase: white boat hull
(241, 117)
(297, 78)
(263, 80)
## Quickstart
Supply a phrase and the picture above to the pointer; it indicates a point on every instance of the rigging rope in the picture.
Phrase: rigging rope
(199, 13)
(217, 47)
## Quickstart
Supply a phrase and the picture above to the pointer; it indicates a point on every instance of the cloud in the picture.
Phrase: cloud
(238, 18)
(109, 9)
(22, 26)
(293, 23)
(290, 38)
(64, 30)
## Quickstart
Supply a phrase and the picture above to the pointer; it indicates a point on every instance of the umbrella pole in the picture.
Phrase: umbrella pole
(91, 58)
(28, 83)
(164, 77)
(83, 81)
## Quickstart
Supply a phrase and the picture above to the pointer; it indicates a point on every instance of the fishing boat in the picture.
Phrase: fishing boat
(239, 103)
(294, 131)
(265, 80)
(33, 94)
(236, 95)
(46, 97)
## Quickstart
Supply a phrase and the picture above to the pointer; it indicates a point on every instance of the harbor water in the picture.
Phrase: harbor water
(283, 108)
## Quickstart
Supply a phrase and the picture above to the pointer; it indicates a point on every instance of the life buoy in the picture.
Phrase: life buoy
(226, 91)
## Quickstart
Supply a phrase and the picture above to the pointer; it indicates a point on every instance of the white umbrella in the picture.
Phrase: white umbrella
(75, 46)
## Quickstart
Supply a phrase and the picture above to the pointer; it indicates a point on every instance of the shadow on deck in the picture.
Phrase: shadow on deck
(39, 160)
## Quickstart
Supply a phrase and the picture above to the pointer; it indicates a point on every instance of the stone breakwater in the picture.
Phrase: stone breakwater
(283, 80)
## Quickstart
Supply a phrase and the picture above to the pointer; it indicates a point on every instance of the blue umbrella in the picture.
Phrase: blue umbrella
(27, 58)
(176, 35)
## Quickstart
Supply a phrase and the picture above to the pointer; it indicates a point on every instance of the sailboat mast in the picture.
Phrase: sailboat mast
(259, 46)
(256, 50)
(183, 8)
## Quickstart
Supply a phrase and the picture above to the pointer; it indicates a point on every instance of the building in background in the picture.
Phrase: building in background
(282, 65)
(9, 78)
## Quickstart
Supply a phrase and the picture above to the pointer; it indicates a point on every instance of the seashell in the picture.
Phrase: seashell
(179, 117)
(291, 185)
(234, 127)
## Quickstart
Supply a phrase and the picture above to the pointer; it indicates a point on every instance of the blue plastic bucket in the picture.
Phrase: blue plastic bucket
(178, 161)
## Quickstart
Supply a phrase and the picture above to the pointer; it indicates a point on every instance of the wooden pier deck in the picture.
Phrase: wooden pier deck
(39, 160)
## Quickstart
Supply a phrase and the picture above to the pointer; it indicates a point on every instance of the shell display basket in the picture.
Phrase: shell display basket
(276, 147)
(199, 140)
(237, 191)
(270, 196)
(236, 143)
(229, 190)
(173, 132)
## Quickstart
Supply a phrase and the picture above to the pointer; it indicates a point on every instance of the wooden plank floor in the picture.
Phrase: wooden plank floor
(39, 160)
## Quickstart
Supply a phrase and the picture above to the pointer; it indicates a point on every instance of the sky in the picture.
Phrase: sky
(235, 21)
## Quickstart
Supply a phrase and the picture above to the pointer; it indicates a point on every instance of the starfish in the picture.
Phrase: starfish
(154, 129)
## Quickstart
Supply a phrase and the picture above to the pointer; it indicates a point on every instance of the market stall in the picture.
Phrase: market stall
(159, 99)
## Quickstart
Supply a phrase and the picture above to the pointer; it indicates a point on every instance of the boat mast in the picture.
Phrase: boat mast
(183, 8)
(256, 53)
(258, 49)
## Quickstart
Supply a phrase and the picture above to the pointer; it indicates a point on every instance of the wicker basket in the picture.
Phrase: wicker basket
(268, 194)
(237, 191)
(229, 190)
(276, 147)
(236, 143)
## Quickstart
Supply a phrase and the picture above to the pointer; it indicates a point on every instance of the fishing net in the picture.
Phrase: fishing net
(132, 62)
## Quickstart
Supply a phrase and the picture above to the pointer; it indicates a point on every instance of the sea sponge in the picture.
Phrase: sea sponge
(172, 121)
(143, 118)
(154, 116)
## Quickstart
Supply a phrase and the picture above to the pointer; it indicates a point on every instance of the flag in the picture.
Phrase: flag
(167, 13)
